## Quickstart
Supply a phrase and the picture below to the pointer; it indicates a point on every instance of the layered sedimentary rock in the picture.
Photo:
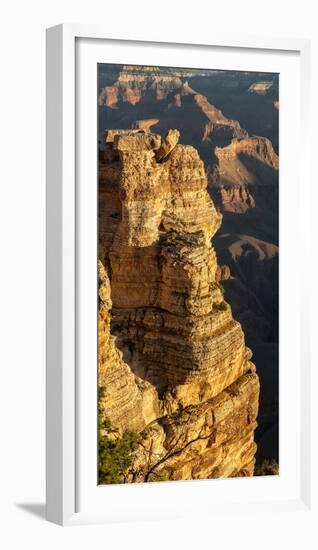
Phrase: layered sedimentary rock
(191, 389)
(146, 124)
(125, 396)
(259, 148)
(134, 82)
(261, 87)
(171, 100)
(245, 173)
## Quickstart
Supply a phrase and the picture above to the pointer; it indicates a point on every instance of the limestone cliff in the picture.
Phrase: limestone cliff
(172, 359)
(133, 83)
(245, 174)
(125, 395)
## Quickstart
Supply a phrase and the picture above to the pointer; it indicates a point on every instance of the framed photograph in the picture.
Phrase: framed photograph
(177, 362)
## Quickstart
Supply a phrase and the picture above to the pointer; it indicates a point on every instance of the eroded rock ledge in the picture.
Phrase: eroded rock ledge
(172, 359)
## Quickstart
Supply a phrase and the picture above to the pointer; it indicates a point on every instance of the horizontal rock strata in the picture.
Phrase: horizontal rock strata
(173, 361)
(245, 174)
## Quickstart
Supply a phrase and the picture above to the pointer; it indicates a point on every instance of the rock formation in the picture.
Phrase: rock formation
(215, 111)
(145, 124)
(175, 101)
(261, 87)
(241, 173)
(134, 82)
(172, 359)
(125, 395)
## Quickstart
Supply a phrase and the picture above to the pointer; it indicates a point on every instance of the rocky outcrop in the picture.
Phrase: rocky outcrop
(213, 125)
(258, 148)
(146, 124)
(168, 143)
(192, 390)
(171, 100)
(261, 87)
(134, 83)
(241, 172)
(223, 131)
(126, 399)
(223, 273)
(250, 210)
(214, 439)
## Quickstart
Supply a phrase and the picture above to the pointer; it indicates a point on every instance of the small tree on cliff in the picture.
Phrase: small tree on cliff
(115, 453)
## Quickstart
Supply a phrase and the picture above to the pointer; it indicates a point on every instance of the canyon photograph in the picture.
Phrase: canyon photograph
(188, 266)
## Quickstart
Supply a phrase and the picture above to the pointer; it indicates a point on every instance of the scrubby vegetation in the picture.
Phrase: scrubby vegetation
(115, 452)
(267, 468)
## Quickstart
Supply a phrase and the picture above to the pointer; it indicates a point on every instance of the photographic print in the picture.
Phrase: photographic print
(187, 274)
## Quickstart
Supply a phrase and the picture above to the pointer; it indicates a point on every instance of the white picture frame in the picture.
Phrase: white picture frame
(63, 395)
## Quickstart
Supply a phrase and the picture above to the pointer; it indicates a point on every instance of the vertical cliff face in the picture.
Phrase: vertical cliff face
(172, 360)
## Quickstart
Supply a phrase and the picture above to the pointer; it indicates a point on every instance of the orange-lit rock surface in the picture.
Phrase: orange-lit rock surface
(172, 359)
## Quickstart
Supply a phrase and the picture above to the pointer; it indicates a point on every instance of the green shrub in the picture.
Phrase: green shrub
(115, 453)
